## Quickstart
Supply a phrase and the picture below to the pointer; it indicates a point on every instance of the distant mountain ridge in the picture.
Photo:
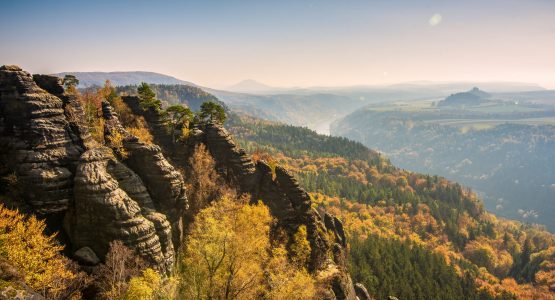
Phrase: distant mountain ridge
(251, 86)
(87, 79)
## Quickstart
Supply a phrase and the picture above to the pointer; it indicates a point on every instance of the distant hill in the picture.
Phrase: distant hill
(478, 92)
(189, 95)
(315, 111)
(473, 97)
(87, 79)
(251, 86)
(505, 150)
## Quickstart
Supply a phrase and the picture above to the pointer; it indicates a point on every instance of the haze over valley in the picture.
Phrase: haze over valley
(335, 150)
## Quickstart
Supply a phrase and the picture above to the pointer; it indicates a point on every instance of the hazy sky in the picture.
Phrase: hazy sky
(286, 43)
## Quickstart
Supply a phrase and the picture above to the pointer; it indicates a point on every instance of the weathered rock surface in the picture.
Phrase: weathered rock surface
(111, 203)
(138, 198)
(343, 287)
(336, 226)
(68, 176)
(278, 189)
(362, 292)
(37, 142)
(86, 256)
(164, 183)
(287, 201)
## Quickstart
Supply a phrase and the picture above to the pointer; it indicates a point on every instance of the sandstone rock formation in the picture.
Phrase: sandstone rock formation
(278, 189)
(164, 183)
(111, 203)
(66, 175)
(361, 292)
(37, 142)
(137, 195)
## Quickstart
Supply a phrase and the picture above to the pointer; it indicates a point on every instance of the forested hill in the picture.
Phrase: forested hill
(297, 141)
(88, 79)
(413, 236)
(505, 150)
(188, 95)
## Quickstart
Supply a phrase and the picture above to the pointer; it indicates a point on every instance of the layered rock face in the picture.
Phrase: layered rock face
(112, 203)
(37, 142)
(128, 190)
(163, 182)
(288, 203)
(64, 173)
(278, 189)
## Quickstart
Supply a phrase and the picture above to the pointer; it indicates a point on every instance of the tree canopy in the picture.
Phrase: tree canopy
(213, 112)
(147, 97)
(70, 81)
(177, 117)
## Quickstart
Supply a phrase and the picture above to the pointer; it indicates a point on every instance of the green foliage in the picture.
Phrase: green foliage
(373, 197)
(190, 96)
(177, 117)
(496, 152)
(212, 112)
(296, 141)
(394, 268)
(70, 81)
(147, 98)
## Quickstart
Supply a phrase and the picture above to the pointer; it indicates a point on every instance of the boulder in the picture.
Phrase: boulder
(86, 256)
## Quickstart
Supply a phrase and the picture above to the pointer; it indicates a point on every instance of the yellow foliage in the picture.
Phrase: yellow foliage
(287, 281)
(204, 184)
(185, 132)
(225, 251)
(116, 142)
(142, 133)
(144, 287)
(35, 255)
(300, 248)
(97, 130)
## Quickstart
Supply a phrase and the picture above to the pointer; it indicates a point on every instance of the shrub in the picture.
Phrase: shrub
(36, 256)
(300, 248)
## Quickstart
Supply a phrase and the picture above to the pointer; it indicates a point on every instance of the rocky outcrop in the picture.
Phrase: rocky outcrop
(164, 183)
(94, 197)
(334, 225)
(278, 189)
(37, 142)
(111, 203)
(136, 195)
(73, 110)
(362, 292)
(231, 161)
(343, 287)
(287, 201)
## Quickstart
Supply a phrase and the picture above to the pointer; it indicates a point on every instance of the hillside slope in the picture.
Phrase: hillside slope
(88, 79)
(503, 150)
(429, 218)
(118, 192)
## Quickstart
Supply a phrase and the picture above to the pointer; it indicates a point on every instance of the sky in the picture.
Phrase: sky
(288, 42)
